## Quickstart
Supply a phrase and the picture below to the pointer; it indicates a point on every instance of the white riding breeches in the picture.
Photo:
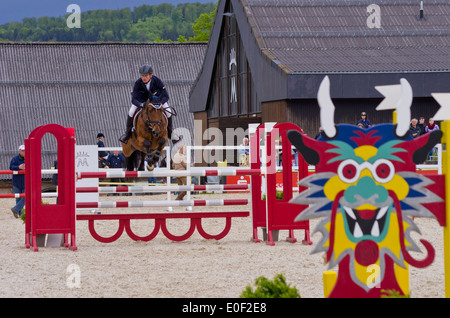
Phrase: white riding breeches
(134, 107)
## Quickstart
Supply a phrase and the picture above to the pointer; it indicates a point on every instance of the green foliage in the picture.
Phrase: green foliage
(266, 288)
(203, 26)
(279, 195)
(22, 215)
(146, 23)
(391, 293)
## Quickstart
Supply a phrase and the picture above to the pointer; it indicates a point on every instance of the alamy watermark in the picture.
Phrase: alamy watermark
(74, 276)
(218, 146)
(74, 19)
(374, 19)
(373, 280)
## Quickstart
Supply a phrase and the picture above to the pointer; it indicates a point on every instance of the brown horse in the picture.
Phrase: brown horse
(148, 139)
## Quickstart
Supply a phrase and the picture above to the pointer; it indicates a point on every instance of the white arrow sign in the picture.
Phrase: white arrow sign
(392, 95)
(444, 100)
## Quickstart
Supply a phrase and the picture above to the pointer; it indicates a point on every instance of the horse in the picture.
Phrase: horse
(148, 139)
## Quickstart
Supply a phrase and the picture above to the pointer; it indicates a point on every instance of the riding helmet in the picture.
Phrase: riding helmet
(145, 69)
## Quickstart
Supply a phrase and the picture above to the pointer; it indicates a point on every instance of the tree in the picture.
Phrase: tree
(145, 23)
(202, 26)
(181, 38)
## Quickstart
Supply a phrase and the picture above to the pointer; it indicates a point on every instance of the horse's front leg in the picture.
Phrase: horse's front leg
(142, 162)
(154, 156)
(146, 144)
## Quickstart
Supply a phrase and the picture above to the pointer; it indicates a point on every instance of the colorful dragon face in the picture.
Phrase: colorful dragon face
(366, 190)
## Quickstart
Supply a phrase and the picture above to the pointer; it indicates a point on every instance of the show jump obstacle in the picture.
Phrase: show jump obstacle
(50, 218)
(269, 213)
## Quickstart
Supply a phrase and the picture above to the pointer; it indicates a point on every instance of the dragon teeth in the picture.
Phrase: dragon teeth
(382, 212)
(350, 212)
(375, 229)
(357, 232)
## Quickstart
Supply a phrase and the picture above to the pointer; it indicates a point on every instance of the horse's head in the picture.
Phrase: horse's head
(155, 120)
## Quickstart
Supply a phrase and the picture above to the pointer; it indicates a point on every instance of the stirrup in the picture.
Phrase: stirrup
(124, 140)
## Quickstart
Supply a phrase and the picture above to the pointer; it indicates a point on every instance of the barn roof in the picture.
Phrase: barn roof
(86, 86)
(334, 35)
(292, 44)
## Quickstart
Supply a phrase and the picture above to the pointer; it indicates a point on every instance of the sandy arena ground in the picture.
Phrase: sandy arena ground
(162, 268)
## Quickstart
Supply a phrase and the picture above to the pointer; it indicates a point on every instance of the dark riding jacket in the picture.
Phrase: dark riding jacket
(365, 123)
(158, 92)
(114, 161)
(18, 180)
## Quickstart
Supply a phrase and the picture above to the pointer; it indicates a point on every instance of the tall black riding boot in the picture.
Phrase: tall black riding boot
(169, 127)
(127, 134)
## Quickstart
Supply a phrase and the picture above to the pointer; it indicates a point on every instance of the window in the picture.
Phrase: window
(242, 79)
(213, 109)
(232, 91)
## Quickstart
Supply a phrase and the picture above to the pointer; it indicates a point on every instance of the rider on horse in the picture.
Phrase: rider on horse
(147, 87)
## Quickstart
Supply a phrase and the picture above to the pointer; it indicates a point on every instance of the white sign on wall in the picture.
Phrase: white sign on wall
(86, 160)
(233, 97)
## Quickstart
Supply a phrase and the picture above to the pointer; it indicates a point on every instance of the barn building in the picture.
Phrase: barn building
(266, 59)
(86, 86)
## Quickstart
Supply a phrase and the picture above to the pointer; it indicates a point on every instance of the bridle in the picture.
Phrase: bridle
(149, 123)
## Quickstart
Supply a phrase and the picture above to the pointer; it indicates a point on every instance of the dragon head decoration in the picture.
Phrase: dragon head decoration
(366, 192)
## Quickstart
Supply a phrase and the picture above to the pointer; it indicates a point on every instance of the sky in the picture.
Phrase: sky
(16, 10)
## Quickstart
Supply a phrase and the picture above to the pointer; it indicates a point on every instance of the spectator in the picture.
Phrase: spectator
(319, 133)
(422, 125)
(364, 121)
(102, 155)
(18, 180)
(115, 160)
(243, 153)
(428, 128)
(431, 126)
(414, 128)
(279, 152)
(180, 163)
(55, 178)
(244, 144)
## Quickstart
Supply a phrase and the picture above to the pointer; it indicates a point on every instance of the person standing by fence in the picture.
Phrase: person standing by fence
(429, 128)
(180, 163)
(102, 155)
(115, 160)
(18, 180)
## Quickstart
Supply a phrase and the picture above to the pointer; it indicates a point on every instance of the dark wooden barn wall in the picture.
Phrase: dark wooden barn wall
(274, 111)
(305, 113)
(233, 137)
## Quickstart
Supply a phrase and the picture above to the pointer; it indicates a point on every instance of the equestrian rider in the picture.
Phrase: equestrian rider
(147, 86)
